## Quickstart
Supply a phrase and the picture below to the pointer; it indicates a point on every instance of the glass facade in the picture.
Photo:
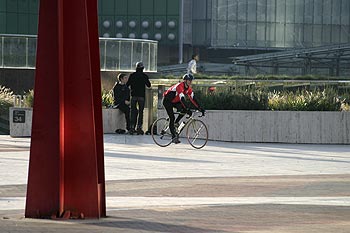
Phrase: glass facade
(19, 16)
(116, 54)
(272, 23)
(140, 19)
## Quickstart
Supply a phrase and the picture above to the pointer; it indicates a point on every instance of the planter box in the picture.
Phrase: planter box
(21, 121)
(277, 126)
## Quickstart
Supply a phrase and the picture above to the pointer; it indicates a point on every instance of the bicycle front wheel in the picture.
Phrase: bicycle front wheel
(197, 134)
(160, 132)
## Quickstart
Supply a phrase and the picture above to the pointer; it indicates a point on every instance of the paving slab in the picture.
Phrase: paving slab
(224, 187)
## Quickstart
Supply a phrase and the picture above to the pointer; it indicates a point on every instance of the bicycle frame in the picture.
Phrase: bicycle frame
(189, 120)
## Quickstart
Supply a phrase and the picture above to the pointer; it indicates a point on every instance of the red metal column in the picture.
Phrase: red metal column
(97, 98)
(66, 170)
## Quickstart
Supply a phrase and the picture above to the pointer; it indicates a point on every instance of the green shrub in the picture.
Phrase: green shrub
(326, 100)
(29, 99)
(6, 100)
(254, 99)
(345, 101)
(107, 99)
(249, 99)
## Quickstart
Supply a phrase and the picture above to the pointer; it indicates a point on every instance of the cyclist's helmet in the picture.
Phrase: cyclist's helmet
(139, 65)
(188, 77)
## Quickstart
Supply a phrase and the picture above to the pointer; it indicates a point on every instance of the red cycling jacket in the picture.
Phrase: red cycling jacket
(177, 92)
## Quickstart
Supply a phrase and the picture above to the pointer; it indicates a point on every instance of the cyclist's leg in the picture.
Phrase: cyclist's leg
(169, 109)
(180, 109)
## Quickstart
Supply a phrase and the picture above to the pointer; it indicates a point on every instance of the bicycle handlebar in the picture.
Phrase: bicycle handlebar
(193, 111)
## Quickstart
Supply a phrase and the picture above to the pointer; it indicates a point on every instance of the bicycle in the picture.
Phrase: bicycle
(196, 131)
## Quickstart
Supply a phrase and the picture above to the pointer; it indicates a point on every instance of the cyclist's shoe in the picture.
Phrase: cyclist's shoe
(139, 132)
(132, 131)
(176, 140)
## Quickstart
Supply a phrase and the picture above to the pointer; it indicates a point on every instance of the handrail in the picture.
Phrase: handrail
(292, 53)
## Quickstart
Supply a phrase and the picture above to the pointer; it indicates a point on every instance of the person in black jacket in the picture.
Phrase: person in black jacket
(137, 82)
(121, 95)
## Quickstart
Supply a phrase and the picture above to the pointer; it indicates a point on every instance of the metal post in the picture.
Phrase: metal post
(149, 109)
(181, 29)
(161, 89)
(337, 66)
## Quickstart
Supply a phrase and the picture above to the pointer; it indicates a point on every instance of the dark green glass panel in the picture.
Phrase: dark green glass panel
(134, 7)
(11, 6)
(2, 22)
(107, 7)
(12, 23)
(2, 5)
(34, 6)
(173, 7)
(33, 24)
(23, 6)
(121, 7)
(147, 7)
(23, 24)
(160, 7)
(103, 29)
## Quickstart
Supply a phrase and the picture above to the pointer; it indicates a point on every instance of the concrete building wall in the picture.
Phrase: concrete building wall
(279, 23)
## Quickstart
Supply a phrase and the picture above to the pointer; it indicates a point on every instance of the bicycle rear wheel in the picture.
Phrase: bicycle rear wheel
(160, 132)
(197, 134)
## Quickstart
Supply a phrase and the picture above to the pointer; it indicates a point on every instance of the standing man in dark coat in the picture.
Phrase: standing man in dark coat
(137, 82)
(121, 94)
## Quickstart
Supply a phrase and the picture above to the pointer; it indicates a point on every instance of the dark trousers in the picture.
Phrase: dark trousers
(126, 110)
(169, 107)
(137, 113)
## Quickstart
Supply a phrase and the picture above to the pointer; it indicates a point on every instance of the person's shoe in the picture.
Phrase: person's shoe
(176, 140)
(132, 131)
(120, 131)
(139, 132)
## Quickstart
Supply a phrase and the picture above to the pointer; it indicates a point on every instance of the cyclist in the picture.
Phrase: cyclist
(174, 97)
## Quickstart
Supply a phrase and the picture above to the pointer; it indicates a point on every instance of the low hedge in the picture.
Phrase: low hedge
(252, 99)
(236, 100)
(239, 99)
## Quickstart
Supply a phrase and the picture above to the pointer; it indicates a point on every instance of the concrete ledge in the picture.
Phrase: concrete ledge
(21, 121)
(278, 126)
(112, 119)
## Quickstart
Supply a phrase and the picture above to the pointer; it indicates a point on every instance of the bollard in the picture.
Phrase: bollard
(17, 101)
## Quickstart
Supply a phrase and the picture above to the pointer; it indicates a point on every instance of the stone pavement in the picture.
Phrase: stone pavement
(224, 187)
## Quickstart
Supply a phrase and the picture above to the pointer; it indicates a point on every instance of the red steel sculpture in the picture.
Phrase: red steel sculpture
(66, 168)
